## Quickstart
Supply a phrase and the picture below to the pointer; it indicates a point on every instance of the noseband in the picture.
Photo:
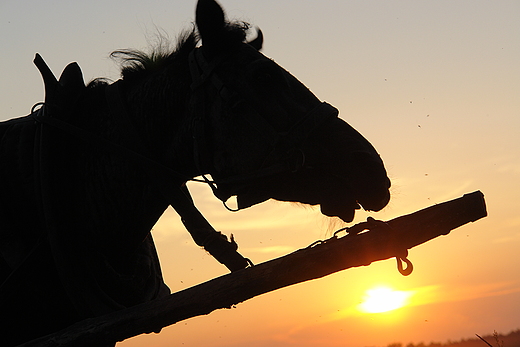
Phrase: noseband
(286, 156)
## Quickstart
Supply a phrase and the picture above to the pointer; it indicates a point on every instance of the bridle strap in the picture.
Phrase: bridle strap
(199, 71)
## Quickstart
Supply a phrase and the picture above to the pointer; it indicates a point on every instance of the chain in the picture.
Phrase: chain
(370, 225)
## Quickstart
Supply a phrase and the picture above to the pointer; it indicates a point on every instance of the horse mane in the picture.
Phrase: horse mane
(137, 64)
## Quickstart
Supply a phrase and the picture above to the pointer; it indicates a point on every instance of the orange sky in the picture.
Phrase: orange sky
(434, 85)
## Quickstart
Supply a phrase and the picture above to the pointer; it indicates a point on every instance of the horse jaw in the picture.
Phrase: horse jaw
(344, 210)
(335, 199)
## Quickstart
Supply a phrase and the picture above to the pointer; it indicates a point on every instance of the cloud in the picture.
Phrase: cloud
(509, 238)
(437, 294)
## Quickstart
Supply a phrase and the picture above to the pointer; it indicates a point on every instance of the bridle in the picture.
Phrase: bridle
(286, 155)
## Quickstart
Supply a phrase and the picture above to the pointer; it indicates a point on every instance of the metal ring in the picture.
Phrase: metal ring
(33, 109)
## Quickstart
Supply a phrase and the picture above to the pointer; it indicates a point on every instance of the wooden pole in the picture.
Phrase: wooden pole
(368, 242)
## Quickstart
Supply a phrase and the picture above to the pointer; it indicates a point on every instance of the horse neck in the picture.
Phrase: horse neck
(159, 110)
(121, 200)
(120, 204)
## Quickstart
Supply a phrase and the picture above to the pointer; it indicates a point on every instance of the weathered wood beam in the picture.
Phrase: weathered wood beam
(376, 241)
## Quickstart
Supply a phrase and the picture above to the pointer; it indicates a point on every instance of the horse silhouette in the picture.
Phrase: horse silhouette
(85, 177)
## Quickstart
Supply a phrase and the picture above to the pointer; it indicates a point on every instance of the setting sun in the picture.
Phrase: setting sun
(383, 299)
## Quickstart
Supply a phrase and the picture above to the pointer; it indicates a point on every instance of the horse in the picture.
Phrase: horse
(85, 176)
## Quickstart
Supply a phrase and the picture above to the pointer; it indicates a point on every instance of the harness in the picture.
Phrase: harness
(284, 145)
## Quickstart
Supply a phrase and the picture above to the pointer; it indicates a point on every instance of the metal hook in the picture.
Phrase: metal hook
(403, 258)
(229, 208)
(35, 107)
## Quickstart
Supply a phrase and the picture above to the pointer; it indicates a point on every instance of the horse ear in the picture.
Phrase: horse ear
(258, 41)
(210, 20)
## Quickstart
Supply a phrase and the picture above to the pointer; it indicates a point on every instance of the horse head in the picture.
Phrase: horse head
(267, 136)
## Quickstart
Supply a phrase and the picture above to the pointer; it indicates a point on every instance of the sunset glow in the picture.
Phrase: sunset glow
(432, 85)
(383, 299)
